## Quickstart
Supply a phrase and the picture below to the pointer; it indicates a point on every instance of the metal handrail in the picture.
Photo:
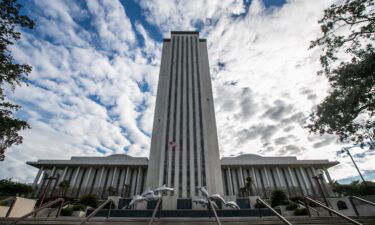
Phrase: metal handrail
(333, 211)
(361, 200)
(13, 199)
(309, 207)
(276, 213)
(7, 199)
(38, 209)
(97, 210)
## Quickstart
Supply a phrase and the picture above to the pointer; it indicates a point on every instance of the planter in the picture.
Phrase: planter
(79, 214)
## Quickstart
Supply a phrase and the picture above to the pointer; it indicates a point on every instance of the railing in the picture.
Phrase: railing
(333, 211)
(259, 201)
(59, 208)
(98, 209)
(308, 208)
(361, 200)
(39, 209)
(157, 208)
(13, 199)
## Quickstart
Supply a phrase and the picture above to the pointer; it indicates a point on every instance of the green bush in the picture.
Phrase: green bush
(66, 211)
(10, 188)
(291, 206)
(300, 212)
(278, 197)
(89, 200)
(354, 188)
(79, 207)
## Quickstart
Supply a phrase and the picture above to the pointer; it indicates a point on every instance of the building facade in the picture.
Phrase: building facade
(184, 150)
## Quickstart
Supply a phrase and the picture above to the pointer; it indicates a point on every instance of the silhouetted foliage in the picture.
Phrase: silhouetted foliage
(348, 61)
(291, 206)
(11, 74)
(246, 190)
(64, 187)
(112, 191)
(355, 188)
(11, 188)
(66, 211)
(89, 200)
(278, 197)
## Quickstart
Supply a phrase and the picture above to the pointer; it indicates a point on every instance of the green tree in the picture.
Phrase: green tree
(64, 186)
(11, 74)
(11, 188)
(348, 61)
(112, 191)
(246, 190)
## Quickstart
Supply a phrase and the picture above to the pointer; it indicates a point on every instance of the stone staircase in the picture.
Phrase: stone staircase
(302, 220)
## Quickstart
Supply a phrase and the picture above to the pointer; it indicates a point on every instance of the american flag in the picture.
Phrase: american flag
(172, 144)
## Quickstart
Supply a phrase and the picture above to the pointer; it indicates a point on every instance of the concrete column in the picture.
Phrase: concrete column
(234, 175)
(282, 184)
(113, 176)
(327, 175)
(294, 183)
(241, 177)
(138, 184)
(230, 183)
(100, 180)
(38, 177)
(267, 178)
(312, 181)
(305, 181)
(64, 174)
(86, 182)
(75, 178)
(255, 180)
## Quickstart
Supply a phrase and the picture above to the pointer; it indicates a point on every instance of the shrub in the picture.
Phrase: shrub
(300, 212)
(112, 191)
(278, 197)
(79, 207)
(355, 188)
(291, 206)
(89, 200)
(67, 211)
(11, 188)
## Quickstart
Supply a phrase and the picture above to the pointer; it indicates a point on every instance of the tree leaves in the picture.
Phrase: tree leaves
(11, 74)
(349, 35)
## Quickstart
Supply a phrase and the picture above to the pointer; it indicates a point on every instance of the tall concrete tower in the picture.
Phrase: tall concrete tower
(184, 147)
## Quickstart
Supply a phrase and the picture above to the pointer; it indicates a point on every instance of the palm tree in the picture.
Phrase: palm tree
(246, 190)
(64, 186)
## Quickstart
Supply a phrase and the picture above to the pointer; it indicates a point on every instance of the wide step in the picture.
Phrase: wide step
(191, 221)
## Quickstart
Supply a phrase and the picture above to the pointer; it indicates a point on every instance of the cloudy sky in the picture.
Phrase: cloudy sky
(95, 72)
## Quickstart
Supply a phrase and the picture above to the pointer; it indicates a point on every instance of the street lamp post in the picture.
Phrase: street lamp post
(346, 149)
(317, 178)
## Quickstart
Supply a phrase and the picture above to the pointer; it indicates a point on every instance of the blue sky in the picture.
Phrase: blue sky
(95, 71)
